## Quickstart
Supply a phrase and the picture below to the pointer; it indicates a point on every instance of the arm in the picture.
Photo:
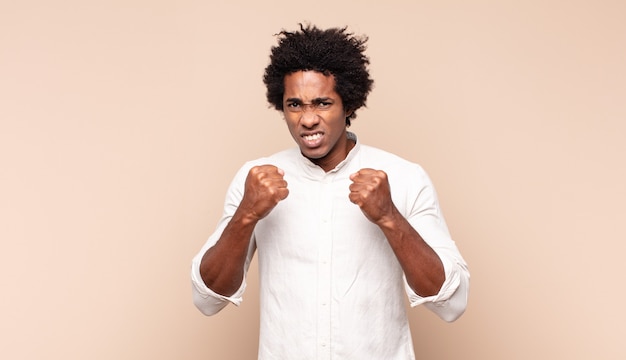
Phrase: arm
(421, 265)
(222, 266)
(436, 274)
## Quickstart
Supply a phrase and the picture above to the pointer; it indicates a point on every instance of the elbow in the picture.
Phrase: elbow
(452, 308)
(453, 313)
(207, 304)
(200, 302)
(449, 310)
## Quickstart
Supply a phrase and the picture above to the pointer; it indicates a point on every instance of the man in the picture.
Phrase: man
(343, 231)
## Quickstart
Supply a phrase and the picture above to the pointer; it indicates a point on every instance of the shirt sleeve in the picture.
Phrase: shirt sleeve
(205, 299)
(426, 217)
(451, 301)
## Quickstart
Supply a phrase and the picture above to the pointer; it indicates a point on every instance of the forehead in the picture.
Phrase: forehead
(308, 85)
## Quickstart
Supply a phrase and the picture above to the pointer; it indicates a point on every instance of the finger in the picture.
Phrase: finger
(266, 172)
(355, 198)
(365, 171)
(277, 183)
(283, 193)
(364, 174)
(267, 168)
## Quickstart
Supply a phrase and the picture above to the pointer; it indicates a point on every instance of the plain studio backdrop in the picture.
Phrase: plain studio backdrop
(122, 122)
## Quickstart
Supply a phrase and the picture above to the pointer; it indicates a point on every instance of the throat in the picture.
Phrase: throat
(334, 158)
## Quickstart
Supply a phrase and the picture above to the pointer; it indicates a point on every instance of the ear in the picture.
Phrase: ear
(348, 122)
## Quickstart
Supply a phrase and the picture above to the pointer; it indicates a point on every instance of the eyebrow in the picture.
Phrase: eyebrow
(314, 101)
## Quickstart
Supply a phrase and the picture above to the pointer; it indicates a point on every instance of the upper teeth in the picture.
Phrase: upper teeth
(312, 137)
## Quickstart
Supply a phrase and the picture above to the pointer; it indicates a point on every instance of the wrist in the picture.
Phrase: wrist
(246, 216)
(391, 220)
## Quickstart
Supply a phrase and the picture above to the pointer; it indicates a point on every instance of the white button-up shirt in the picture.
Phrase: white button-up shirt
(330, 284)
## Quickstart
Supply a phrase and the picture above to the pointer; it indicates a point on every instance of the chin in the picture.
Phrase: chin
(313, 155)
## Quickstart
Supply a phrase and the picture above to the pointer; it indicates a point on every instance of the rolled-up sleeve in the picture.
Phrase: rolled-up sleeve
(450, 303)
(205, 299)
(426, 217)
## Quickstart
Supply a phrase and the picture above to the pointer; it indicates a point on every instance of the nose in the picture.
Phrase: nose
(309, 118)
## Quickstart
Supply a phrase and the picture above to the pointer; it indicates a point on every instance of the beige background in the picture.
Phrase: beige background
(122, 122)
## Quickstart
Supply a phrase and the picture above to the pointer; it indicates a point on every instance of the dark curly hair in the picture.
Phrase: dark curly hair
(330, 52)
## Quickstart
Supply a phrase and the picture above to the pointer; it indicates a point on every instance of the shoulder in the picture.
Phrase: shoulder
(283, 159)
(402, 173)
(386, 161)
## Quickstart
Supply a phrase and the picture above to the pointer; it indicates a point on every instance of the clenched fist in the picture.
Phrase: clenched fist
(370, 191)
(265, 187)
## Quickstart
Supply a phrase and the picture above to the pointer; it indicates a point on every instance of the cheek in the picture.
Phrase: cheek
(289, 122)
(339, 119)
(291, 125)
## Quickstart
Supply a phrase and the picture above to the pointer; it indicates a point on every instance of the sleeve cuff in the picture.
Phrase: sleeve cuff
(207, 300)
(448, 288)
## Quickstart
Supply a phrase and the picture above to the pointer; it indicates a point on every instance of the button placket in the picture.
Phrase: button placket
(324, 270)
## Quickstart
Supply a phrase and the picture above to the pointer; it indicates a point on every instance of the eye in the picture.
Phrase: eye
(324, 104)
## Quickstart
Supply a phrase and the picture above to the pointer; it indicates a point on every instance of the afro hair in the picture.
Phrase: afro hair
(331, 52)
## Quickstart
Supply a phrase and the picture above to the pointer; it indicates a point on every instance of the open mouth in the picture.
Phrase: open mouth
(312, 138)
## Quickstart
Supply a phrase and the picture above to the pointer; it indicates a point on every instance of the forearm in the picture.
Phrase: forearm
(422, 266)
(222, 266)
